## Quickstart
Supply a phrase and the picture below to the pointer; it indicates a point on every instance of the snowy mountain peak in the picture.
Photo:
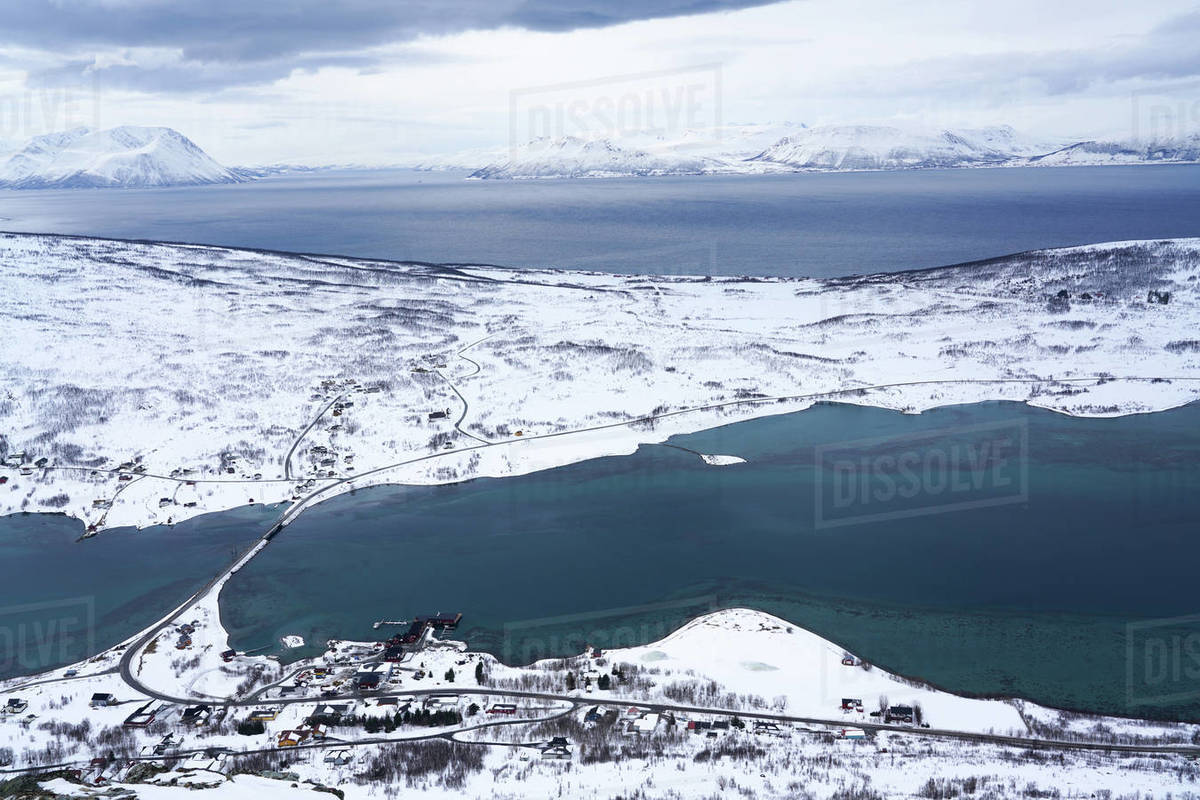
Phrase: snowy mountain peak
(126, 156)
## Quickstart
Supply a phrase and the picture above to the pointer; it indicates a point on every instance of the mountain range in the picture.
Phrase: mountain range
(754, 149)
(130, 156)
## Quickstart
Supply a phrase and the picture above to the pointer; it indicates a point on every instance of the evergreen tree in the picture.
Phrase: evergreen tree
(479, 672)
(570, 681)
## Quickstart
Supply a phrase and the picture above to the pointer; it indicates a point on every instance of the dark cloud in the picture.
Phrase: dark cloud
(243, 42)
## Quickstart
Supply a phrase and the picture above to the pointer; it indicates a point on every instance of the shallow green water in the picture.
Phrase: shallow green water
(1017, 552)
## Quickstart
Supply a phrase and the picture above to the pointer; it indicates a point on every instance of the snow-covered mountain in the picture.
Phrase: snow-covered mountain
(869, 147)
(699, 150)
(1182, 150)
(571, 157)
(126, 157)
(752, 149)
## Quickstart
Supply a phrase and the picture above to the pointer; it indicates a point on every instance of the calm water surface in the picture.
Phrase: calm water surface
(62, 600)
(1023, 586)
(808, 224)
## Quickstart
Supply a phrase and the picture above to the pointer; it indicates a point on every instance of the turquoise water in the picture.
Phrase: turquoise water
(1022, 551)
(62, 600)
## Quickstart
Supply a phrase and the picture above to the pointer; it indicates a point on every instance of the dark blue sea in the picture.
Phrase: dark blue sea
(807, 224)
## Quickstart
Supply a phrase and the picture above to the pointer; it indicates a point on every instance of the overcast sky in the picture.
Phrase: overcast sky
(382, 80)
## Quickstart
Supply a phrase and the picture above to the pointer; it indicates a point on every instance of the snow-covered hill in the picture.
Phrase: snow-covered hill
(754, 149)
(858, 147)
(147, 373)
(571, 157)
(695, 150)
(1183, 150)
(126, 157)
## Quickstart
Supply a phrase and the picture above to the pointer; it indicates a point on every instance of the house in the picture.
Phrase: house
(767, 728)
(441, 701)
(291, 738)
(169, 744)
(558, 741)
(196, 715)
(851, 704)
(899, 714)
(370, 676)
(163, 502)
(332, 712)
(438, 414)
(3, 479)
(503, 708)
(142, 717)
(101, 503)
(556, 753)
(338, 758)
(102, 700)
(228, 655)
(1155, 296)
(852, 733)
(264, 714)
(646, 723)
(848, 661)
(15, 705)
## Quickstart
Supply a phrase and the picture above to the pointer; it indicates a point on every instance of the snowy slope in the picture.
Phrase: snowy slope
(229, 351)
(126, 156)
(703, 150)
(572, 157)
(859, 147)
(754, 149)
(1100, 153)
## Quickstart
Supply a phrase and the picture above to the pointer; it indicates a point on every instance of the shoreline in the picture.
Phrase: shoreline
(803, 402)
(258, 545)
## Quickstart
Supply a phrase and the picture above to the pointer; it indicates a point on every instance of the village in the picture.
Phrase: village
(328, 718)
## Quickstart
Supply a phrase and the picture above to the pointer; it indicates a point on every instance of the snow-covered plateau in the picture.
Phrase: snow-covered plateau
(148, 383)
(127, 156)
(736, 701)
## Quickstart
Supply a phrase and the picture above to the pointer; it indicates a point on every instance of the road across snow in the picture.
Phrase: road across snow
(194, 370)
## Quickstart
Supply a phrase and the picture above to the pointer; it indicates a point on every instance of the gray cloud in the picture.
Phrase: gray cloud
(239, 42)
